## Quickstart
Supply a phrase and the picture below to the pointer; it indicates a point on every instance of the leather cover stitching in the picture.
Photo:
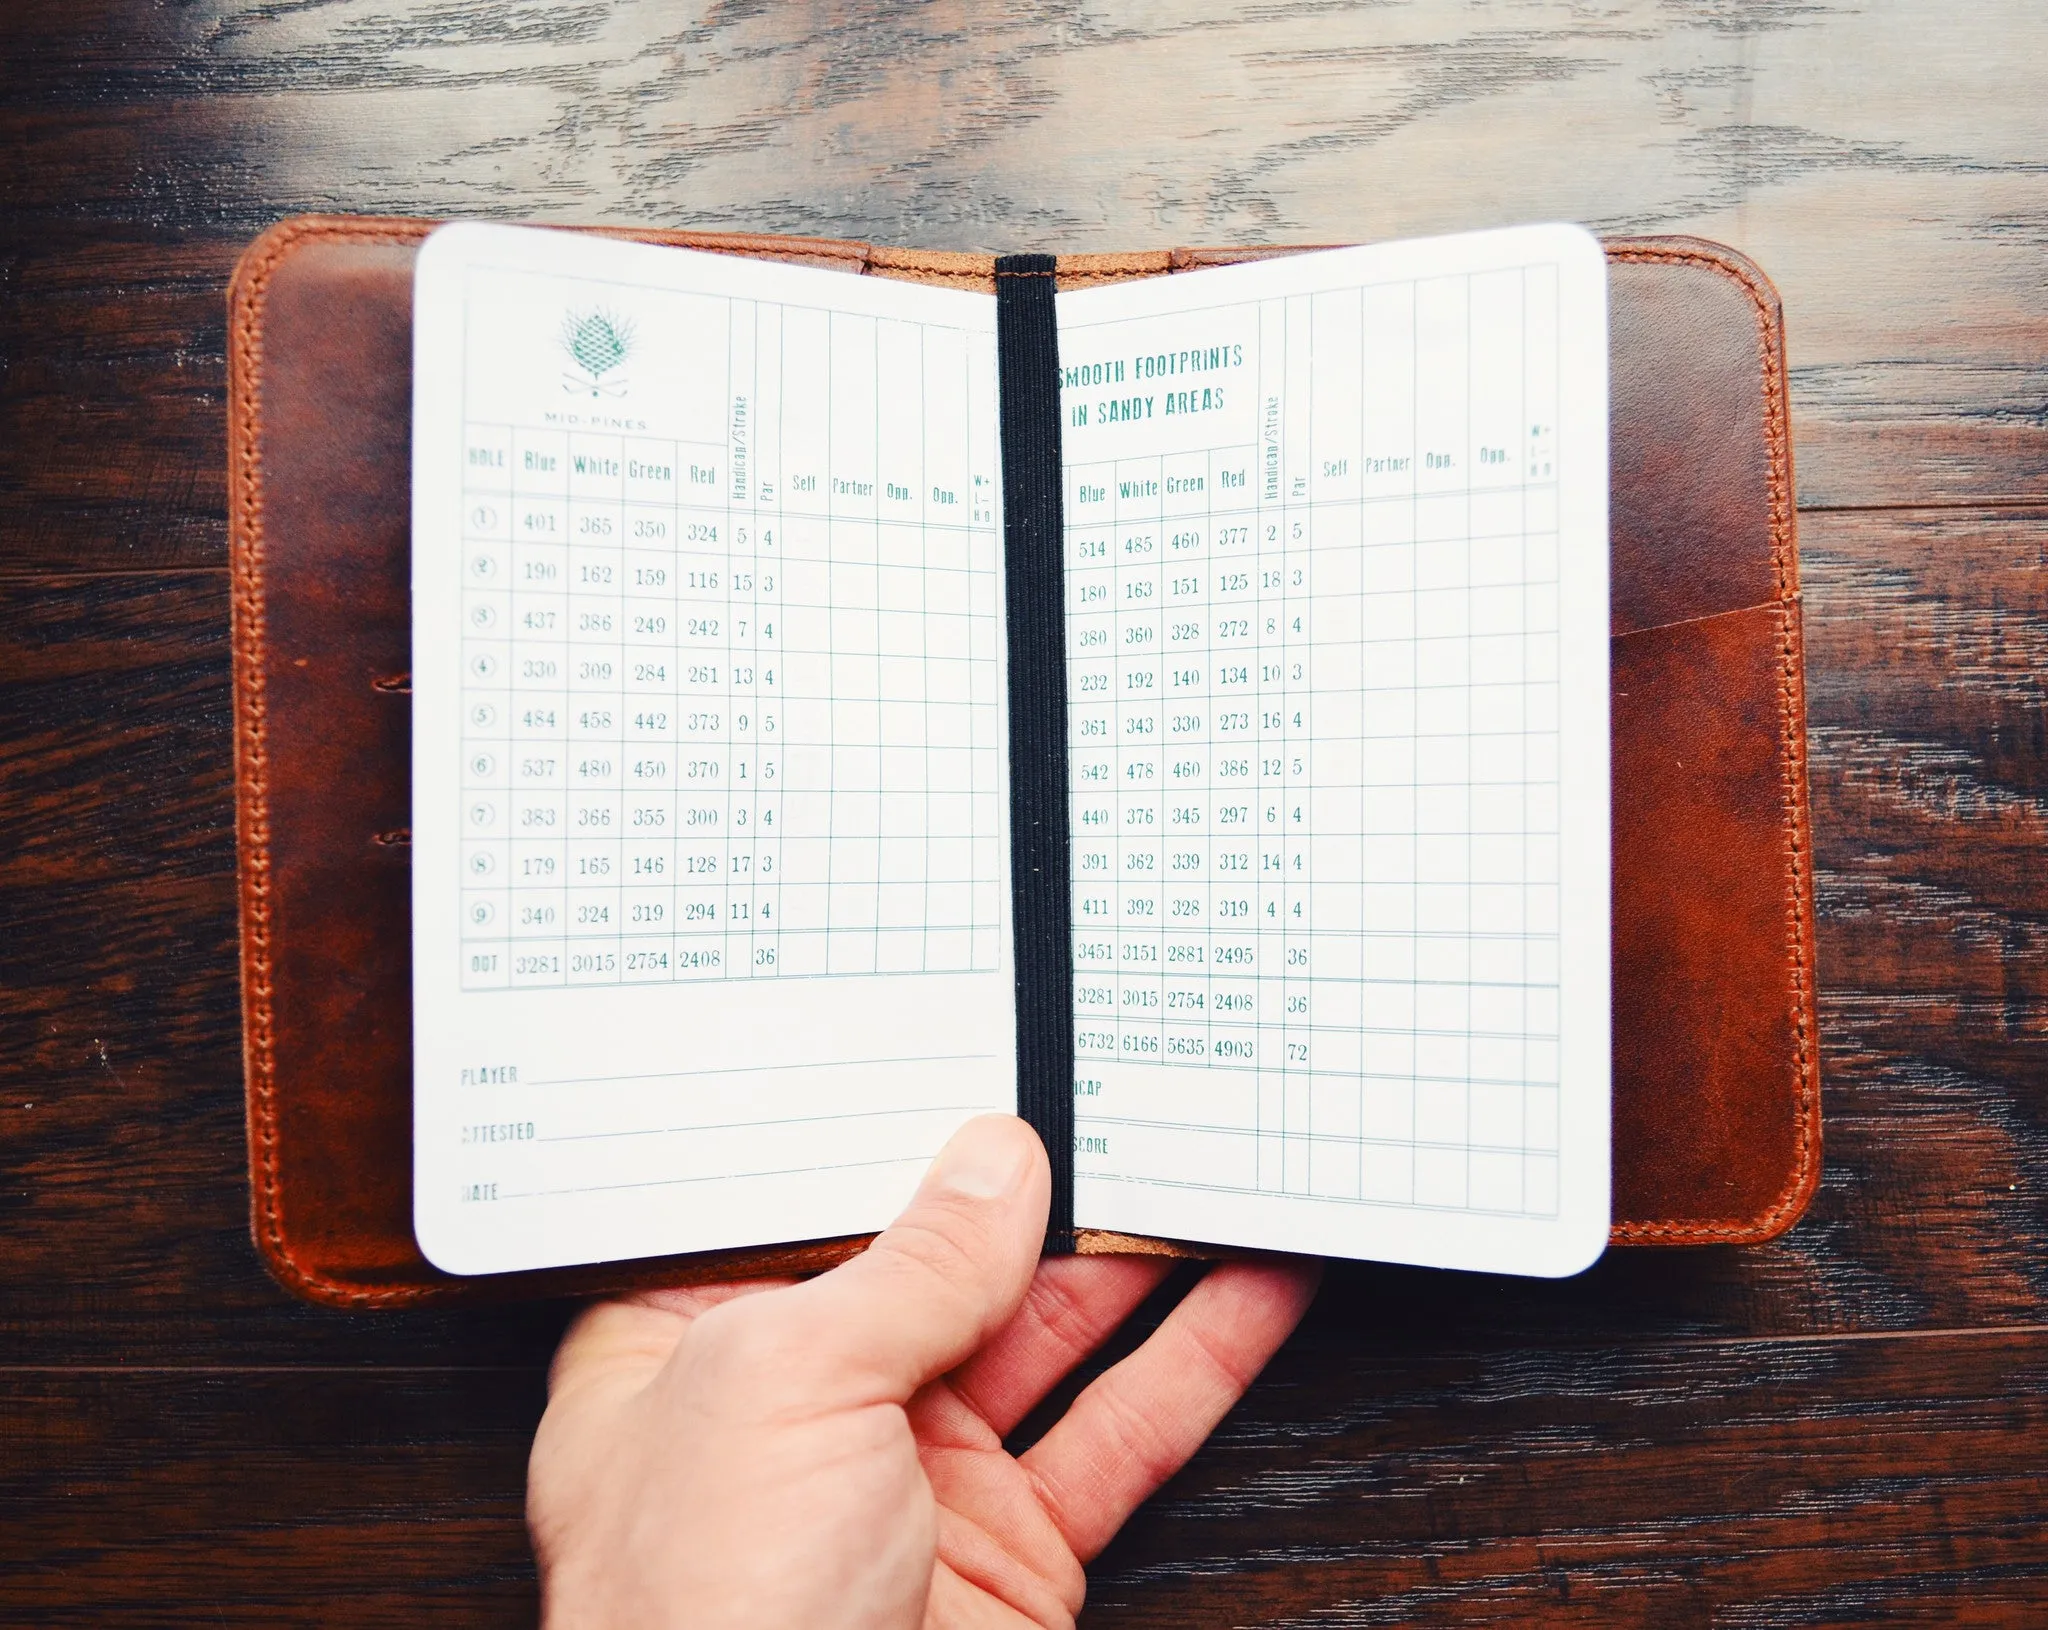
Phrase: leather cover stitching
(246, 293)
(248, 289)
(1805, 1174)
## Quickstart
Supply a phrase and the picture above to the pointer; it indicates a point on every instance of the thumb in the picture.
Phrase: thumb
(942, 1278)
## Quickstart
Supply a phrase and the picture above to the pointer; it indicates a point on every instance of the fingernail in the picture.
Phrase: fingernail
(984, 1160)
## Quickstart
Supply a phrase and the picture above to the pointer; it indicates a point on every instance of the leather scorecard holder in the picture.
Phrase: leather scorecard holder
(1716, 1078)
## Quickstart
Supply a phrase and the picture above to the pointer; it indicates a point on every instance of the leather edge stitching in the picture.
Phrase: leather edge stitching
(247, 288)
(1800, 1186)
(246, 294)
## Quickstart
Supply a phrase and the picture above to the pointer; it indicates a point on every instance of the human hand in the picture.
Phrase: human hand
(830, 1452)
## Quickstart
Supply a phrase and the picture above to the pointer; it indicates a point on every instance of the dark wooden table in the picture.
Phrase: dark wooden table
(1847, 1426)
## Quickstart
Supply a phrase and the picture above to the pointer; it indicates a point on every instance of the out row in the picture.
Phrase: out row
(783, 953)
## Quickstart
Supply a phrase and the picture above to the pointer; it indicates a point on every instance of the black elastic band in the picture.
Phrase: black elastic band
(1028, 361)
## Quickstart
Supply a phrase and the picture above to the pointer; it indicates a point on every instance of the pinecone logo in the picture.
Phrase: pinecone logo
(598, 342)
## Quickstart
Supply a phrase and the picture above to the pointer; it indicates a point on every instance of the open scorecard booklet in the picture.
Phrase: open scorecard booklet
(1176, 710)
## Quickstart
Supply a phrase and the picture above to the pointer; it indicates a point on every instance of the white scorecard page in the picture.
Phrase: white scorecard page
(710, 859)
(1337, 569)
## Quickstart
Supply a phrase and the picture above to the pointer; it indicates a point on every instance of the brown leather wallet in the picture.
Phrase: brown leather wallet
(1716, 1075)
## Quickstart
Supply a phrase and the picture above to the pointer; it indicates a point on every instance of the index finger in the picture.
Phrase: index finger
(1075, 1303)
(1140, 1421)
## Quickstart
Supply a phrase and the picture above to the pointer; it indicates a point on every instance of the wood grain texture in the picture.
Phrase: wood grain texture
(1862, 152)
(304, 1495)
(120, 1046)
(1843, 1427)
(1370, 1480)
(1739, 1483)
